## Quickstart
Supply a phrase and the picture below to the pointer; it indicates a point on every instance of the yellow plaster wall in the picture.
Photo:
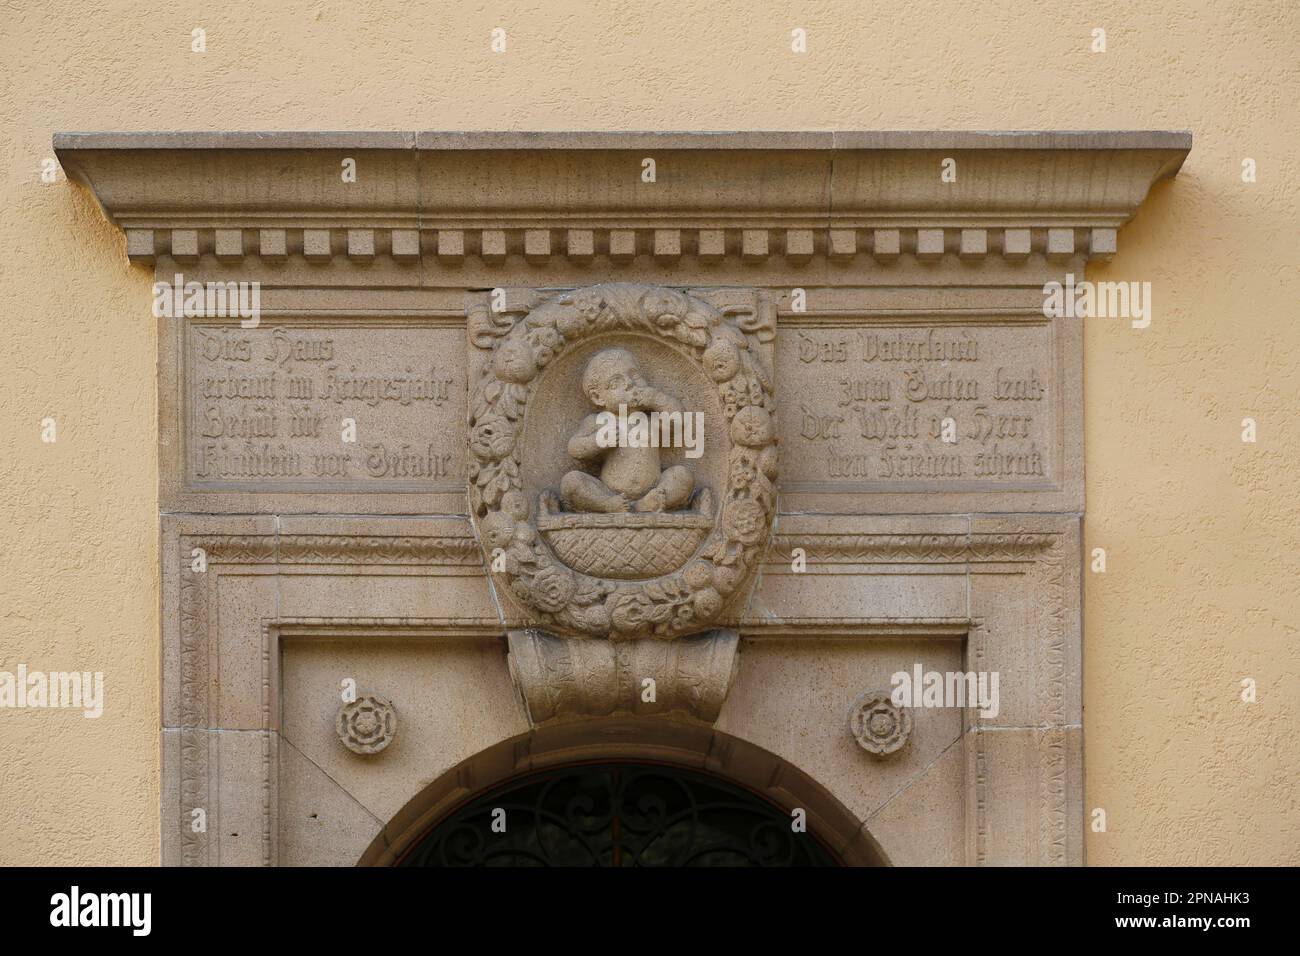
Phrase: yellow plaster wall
(1201, 530)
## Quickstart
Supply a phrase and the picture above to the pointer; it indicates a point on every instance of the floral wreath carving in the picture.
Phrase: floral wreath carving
(725, 348)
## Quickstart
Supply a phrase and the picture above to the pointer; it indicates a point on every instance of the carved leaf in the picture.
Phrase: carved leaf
(659, 613)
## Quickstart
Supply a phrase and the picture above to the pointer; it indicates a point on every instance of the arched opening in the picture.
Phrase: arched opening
(632, 792)
(618, 814)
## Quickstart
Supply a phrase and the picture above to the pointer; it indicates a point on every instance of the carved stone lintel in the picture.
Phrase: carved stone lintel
(559, 677)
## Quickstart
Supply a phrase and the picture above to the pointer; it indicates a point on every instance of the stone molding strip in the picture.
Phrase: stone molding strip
(818, 547)
(341, 549)
(822, 548)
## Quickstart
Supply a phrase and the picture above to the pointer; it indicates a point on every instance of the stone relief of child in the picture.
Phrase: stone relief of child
(630, 478)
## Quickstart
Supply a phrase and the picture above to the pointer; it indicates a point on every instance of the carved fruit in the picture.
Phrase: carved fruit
(707, 603)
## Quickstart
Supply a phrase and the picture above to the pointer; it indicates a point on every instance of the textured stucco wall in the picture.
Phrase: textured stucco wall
(1201, 530)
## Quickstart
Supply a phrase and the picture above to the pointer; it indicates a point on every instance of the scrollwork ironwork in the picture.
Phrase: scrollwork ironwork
(622, 815)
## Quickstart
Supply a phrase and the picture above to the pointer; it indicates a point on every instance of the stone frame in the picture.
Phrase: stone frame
(1040, 552)
(987, 576)
(229, 766)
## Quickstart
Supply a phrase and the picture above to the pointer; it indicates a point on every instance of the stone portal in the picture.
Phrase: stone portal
(405, 558)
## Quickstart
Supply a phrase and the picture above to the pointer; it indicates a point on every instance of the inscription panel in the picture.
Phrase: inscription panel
(879, 408)
(334, 406)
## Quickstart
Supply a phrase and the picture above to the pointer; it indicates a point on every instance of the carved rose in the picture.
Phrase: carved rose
(551, 588)
(366, 725)
(744, 521)
(879, 725)
(492, 438)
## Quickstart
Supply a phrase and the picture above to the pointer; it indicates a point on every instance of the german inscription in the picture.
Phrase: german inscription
(942, 405)
(338, 405)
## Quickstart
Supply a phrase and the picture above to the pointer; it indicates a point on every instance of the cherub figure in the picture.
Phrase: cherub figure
(630, 478)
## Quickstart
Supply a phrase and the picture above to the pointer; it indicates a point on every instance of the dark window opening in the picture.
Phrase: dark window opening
(623, 814)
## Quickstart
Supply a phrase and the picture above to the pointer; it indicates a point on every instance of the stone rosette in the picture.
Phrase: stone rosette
(563, 600)
(879, 725)
(367, 725)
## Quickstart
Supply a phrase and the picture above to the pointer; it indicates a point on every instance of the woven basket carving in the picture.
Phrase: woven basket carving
(626, 546)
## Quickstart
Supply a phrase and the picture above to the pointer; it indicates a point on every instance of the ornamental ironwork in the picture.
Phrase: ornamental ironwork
(621, 815)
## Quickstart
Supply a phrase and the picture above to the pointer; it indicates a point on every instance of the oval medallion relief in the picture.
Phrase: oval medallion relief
(653, 511)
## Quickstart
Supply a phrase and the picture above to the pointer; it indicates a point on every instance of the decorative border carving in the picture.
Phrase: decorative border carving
(193, 710)
(458, 551)
(891, 548)
(1049, 580)
(563, 599)
(977, 775)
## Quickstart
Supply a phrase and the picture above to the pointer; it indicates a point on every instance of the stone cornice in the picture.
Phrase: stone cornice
(446, 198)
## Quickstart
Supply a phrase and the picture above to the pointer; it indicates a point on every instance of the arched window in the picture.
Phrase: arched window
(618, 814)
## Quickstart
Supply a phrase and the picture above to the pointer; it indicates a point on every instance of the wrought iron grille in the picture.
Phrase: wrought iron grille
(619, 815)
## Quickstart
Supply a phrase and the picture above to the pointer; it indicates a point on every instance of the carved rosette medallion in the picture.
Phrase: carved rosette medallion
(879, 725)
(367, 725)
(661, 573)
